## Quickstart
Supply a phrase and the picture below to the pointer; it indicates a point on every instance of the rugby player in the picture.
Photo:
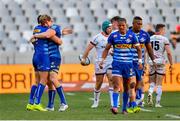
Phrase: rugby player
(99, 42)
(160, 44)
(122, 65)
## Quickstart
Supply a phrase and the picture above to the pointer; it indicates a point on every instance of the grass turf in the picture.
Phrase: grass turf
(13, 107)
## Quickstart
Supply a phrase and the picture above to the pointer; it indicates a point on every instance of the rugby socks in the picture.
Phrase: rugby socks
(133, 104)
(159, 93)
(32, 94)
(61, 95)
(39, 93)
(96, 95)
(111, 95)
(125, 101)
(151, 87)
(115, 99)
(138, 93)
(51, 97)
(119, 99)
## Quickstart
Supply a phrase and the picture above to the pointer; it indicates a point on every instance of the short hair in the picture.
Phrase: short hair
(122, 20)
(159, 26)
(115, 18)
(38, 19)
(137, 18)
(44, 18)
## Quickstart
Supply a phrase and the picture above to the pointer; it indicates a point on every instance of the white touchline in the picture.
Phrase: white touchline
(172, 116)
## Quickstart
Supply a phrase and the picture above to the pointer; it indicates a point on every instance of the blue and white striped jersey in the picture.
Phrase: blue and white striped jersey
(122, 45)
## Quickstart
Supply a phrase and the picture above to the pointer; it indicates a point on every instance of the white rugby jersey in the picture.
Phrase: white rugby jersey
(100, 41)
(158, 43)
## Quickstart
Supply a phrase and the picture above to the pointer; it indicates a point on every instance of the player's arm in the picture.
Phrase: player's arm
(48, 34)
(67, 31)
(86, 53)
(104, 54)
(169, 55)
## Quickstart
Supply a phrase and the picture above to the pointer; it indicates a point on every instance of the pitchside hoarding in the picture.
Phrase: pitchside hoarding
(74, 77)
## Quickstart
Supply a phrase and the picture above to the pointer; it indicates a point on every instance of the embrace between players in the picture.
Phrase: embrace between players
(124, 63)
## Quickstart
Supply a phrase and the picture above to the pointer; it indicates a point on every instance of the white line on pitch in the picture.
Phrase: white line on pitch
(172, 116)
(146, 110)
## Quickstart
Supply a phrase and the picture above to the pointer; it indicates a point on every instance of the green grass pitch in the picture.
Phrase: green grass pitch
(12, 107)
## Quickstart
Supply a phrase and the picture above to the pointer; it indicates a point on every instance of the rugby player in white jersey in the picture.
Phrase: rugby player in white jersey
(99, 42)
(160, 44)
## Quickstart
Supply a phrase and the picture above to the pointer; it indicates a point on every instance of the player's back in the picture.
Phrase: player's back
(158, 43)
(53, 47)
(122, 45)
(40, 45)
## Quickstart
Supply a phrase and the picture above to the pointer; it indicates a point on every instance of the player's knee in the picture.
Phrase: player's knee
(132, 85)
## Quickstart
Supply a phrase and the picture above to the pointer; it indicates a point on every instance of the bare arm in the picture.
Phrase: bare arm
(48, 34)
(104, 55)
(67, 31)
(88, 49)
(139, 52)
(105, 52)
(150, 51)
(169, 55)
(56, 39)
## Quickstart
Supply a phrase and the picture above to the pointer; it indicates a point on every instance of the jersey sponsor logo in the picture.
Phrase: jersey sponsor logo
(36, 30)
(123, 46)
(141, 45)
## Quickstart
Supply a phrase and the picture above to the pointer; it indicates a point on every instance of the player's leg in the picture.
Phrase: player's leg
(125, 96)
(132, 95)
(55, 65)
(117, 79)
(40, 89)
(32, 93)
(159, 79)
(109, 76)
(152, 80)
(99, 81)
(59, 89)
(51, 96)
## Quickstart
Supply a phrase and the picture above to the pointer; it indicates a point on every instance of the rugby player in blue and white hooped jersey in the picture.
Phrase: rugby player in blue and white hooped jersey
(144, 40)
(41, 65)
(122, 65)
(55, 60)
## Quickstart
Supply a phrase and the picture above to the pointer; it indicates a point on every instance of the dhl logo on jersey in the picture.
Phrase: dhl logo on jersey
(141, 45)
(36, 31)
(123, 46)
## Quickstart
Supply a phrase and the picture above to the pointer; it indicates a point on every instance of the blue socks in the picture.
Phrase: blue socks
(51, 97)
(115, 99)
(125, 101)
(32, 94)
(61, 94)
(40, 90)
(138, 93)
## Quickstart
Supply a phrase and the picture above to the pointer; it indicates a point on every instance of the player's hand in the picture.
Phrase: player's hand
(83, 61)
(140, 66)
(171, 68)
(101, 64)
(33, 39)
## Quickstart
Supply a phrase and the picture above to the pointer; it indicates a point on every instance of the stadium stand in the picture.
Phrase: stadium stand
(84, 16)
